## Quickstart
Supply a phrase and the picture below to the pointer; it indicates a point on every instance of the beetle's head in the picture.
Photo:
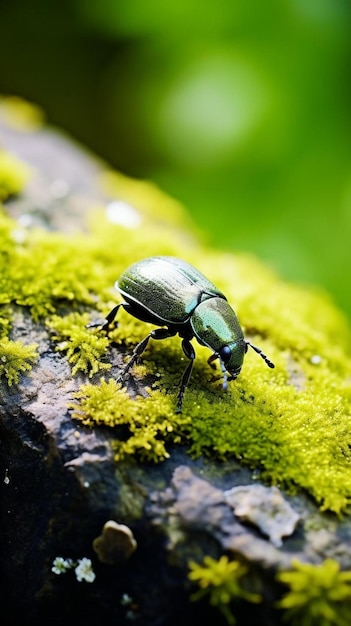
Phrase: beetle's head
(232, 357)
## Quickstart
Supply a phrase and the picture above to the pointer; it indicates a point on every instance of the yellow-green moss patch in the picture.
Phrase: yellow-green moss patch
(221, 582)
(15, 358)
(318, 595)
(13, 175)
(84, 350)
(151, 421)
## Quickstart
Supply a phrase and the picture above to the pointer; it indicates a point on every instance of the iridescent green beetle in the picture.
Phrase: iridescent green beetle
(169, 292)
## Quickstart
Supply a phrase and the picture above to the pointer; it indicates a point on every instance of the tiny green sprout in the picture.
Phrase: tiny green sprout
(15, 358)
(319, 595)
(84, 350)
(220, 580)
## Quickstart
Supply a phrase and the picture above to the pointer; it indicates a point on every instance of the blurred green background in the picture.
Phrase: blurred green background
(239, 108)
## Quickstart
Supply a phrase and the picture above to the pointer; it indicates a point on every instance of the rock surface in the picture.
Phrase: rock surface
(60, 484)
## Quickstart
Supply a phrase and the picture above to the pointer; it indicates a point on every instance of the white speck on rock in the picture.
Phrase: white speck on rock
(316, 359)
(119, 212)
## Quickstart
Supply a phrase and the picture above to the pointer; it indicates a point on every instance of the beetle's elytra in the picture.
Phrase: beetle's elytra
(170, 293)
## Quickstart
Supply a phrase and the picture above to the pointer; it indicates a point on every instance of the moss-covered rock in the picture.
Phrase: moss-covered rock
(293, 423)
(288, 427)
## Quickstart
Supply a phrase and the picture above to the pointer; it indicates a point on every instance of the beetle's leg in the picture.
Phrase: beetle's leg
(138, 350)
(190, 353)
(157, 333)
(259, 351)
(224, 374)
(212, 358)
(105, 324)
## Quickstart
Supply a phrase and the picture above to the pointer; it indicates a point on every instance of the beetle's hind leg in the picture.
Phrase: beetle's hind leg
(190, 353)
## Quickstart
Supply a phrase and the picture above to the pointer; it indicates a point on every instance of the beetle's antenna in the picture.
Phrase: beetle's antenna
(262, 354)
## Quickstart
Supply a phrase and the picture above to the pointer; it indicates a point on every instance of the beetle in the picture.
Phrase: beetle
(170, 293)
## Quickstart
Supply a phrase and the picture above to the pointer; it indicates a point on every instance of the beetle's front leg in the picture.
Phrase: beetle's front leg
(190, 353)
(212, 358)
(224, 374)
(157, 333)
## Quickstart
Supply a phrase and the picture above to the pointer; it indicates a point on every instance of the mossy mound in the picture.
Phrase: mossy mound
(13, 175)
(292, 424)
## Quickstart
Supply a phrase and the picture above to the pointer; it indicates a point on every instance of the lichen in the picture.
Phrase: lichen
(222, 582)
(318, 595)
(265, 508)
(15, 358)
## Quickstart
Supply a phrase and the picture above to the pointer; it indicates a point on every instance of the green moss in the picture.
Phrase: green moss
(221, 581)
(296, 437)
(151, 421)
(5, 321)
(291, 423)
(13, 175)
(319, 595)
(15, 358)
(83, 349)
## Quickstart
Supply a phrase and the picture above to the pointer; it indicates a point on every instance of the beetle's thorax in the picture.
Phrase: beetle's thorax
(215, 324)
